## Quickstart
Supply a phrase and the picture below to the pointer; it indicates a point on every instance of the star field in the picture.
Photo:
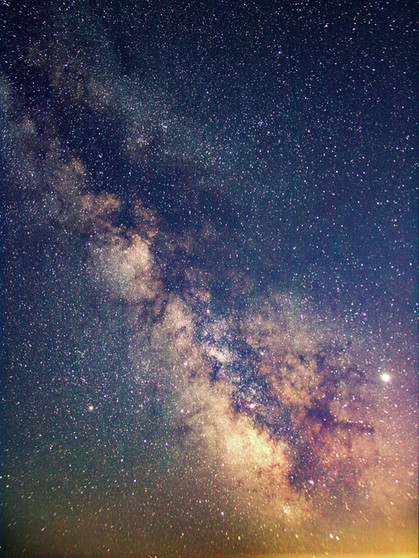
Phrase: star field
(209, 279)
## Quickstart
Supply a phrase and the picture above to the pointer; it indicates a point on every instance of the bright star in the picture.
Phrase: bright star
(385, 377)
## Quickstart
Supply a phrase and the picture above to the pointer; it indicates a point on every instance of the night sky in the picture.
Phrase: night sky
(209, 259)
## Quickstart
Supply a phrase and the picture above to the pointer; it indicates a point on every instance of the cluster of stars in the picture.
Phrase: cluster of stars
(209, 243)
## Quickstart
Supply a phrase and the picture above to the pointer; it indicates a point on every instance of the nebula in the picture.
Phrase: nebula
(192, 367)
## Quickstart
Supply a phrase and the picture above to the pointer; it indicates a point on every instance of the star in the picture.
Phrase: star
(385, 377)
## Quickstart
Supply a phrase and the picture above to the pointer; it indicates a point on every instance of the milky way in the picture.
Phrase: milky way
(209, 280)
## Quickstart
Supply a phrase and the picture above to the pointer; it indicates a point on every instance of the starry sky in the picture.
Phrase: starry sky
(209, 257)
